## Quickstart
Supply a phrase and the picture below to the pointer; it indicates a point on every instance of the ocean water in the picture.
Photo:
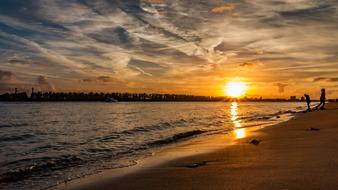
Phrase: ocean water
(42, 144)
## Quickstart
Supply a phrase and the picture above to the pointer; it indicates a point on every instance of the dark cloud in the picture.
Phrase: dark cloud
(231, 46)
(7, 77)
(251, 64)
(144, 64)
(104, 78)
(99, 79)
(154, 1)
(327, 79)
(17, 61)
(281, 87)
(319, 12)
(44, 84)
(8, 82)
(247, 64)
(114, 35)
(24, 62)
(87, 80)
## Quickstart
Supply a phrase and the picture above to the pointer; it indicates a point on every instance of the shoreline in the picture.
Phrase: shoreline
(162, 155)
(289, 156)
(73, 162)
(174, 155)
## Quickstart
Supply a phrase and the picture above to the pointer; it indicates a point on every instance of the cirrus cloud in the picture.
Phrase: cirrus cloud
(170, 42)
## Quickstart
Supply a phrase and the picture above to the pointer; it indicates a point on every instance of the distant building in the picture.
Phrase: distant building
(302, 98)
(293, 98)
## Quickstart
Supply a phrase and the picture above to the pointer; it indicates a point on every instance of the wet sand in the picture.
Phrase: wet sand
(301, 153)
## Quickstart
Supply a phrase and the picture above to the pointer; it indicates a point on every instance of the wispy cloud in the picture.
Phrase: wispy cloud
(139, 42)
(328, 79)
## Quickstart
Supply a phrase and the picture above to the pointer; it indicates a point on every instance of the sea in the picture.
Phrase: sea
(43, 144)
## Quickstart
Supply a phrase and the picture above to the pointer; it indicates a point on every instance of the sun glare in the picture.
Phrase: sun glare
(235, 89)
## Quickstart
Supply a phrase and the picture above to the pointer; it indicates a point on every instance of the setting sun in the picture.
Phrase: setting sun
(235, 89)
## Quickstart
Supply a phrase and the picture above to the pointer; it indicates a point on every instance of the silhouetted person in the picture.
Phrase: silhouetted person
(322, 100)
(308, 101)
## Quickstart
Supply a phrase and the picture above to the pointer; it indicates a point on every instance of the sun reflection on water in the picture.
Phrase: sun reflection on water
(239, 133)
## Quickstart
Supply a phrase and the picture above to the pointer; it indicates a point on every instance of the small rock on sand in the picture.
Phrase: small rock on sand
(313, 129)
(254, 141)
(195, 165)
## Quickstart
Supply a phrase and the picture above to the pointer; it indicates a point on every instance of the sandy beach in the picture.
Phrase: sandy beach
(298, 154)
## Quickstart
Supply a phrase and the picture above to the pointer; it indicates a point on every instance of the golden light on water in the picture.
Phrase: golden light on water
(235, 89)
(240, 132)
(233, 111)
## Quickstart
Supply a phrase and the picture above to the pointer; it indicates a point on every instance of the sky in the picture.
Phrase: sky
(278, 48)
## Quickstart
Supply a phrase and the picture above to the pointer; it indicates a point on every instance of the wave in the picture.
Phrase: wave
(17, 137)
(144, 129)
(133, 131)
(176, 138)
(267, 116)
(13, 125)
(41, 165)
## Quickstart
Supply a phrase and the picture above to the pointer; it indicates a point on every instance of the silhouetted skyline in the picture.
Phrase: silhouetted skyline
(132, 97)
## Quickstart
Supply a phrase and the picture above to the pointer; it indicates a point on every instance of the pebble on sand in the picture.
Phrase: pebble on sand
(254, 141)
(313, 129)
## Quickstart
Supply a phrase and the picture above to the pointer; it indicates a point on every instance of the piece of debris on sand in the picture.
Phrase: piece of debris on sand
(254, 141)
(196, 164)
(313, 129)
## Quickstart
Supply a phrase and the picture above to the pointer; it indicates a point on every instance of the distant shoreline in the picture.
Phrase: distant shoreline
(129, 97)
(155, 101)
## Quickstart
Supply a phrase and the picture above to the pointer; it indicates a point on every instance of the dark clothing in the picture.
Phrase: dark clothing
(322, 97)
(322, 100)
(307, 98)
(308, 101)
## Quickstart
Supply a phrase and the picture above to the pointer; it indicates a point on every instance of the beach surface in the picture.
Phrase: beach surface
(298, 154)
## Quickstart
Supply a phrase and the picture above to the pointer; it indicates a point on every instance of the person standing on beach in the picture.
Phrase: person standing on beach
(308, 101)
(322, 100)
